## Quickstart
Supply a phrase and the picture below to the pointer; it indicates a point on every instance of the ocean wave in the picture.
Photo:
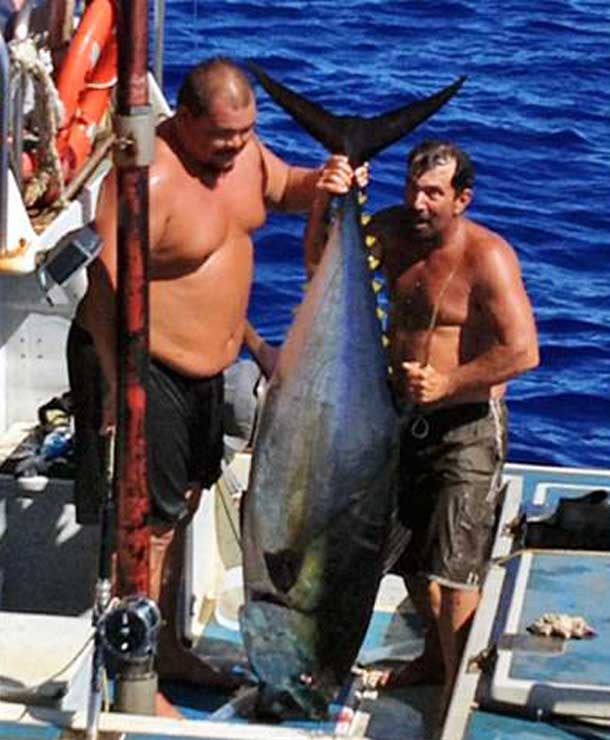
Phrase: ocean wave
(534, 115)
(574, 350)
(571, 407)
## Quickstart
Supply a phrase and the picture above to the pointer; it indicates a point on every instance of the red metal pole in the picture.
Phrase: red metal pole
(60, 24)
(133, 534)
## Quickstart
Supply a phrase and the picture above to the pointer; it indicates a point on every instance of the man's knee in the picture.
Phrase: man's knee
(459, 604)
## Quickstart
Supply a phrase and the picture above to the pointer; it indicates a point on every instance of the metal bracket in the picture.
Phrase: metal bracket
(420, 427)
(484, 661)
(135, 142)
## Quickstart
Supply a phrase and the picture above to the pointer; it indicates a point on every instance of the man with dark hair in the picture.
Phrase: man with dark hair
(209, 189)
(208, 79)
(433, 153)
(460, 326)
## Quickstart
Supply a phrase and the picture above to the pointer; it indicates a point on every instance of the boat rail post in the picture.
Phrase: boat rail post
(21, 31)
(60, 25)
(5, 113)
(137, 616)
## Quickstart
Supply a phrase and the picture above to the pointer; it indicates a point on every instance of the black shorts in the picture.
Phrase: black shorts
(86, 384)
(183, 430)
(450, 478)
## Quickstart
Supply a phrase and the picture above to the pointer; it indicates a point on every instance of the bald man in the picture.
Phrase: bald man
(210, 186)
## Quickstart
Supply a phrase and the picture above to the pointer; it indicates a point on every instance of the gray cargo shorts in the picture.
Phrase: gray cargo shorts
(450, 478)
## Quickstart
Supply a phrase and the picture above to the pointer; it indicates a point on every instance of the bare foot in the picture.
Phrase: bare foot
(163, 708)
(415, 672)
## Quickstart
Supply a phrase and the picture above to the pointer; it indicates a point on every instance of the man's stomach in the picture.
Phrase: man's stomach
(199, 354)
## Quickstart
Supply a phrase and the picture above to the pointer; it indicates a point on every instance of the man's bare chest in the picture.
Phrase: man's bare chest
(422, 294)
(204, 221)
(233, 202)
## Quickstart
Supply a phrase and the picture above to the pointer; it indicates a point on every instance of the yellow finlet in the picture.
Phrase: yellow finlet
(373, 262)
(362, 197)
(370, 241)
(377, 286)
(365, 219)
(385, 341)
(381, 314)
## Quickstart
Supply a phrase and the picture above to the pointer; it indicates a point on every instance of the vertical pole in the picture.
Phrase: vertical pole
(60, 25)
(133, 535)
(159, 40)
(5, 114)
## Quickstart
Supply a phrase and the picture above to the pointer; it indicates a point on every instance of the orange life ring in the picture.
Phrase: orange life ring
(85, 82)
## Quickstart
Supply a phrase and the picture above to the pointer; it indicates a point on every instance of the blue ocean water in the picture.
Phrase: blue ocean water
(535, 116)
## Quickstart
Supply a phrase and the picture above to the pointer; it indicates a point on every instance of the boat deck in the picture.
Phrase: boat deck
(487, 703)
(513, 683)
(48, 566)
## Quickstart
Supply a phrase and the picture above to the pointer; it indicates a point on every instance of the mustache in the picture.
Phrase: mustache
(227, 151)
(416, 218)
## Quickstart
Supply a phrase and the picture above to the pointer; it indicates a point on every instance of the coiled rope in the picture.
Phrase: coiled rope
(33, 64)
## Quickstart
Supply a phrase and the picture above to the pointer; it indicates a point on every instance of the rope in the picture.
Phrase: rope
(435, 309)
(34, 689)
(34, 64)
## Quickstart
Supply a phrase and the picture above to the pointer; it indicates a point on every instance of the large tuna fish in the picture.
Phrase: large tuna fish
(316, 515)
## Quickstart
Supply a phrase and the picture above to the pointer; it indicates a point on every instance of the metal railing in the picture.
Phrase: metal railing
(11, 117)
(12, 98)
(5, 113)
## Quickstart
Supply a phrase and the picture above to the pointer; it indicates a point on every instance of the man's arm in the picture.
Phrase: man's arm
(287, 188)
(263, 353)
(98, 311)
(335, 178)
(501, 295)
(294, 189)
(316, 232)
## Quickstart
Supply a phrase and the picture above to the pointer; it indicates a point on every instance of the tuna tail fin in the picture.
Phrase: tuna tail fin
(358, 137)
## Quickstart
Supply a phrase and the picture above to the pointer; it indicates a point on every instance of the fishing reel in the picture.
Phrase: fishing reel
(129, 630)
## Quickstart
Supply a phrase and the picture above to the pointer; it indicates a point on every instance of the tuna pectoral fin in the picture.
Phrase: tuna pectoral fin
(360, 138)
(283, 568)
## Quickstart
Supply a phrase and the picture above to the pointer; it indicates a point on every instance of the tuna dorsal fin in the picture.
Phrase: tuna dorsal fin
(358, 137)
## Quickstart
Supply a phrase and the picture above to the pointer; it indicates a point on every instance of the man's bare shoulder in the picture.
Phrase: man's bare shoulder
(481, 239)
(487, 252)
(166, 162)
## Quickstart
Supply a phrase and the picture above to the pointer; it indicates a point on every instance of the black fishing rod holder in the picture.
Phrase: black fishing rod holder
(129, 631)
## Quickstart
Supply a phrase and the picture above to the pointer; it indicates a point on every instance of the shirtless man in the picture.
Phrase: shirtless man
(209, 187)
(461, 325)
